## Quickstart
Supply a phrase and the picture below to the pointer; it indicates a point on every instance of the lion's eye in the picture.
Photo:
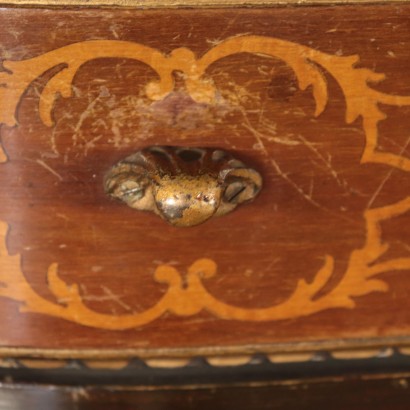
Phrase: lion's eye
(128, 189)
(233, 192)
(136, 193)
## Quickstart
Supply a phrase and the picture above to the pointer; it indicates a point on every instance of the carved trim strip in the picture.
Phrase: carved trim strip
(361, 101)
(213, 361)
(355, 346)
(185, 3)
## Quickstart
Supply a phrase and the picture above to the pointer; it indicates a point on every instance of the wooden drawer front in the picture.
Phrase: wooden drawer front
(316, 98)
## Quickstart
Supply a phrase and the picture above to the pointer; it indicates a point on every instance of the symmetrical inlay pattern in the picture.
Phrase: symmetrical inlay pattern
(190, 297)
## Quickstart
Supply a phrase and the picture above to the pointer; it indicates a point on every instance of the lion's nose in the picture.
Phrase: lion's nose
(172, 207)
(185, 210)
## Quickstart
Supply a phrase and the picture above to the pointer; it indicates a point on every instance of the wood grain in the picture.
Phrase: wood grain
(317, 190)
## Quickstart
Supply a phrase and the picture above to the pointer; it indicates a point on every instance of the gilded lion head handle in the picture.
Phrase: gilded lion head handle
(184, 186)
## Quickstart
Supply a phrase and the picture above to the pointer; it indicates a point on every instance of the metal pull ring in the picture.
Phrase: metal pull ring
(184, 186)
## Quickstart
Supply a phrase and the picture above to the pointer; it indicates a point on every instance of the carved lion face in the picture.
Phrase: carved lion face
(185, 186)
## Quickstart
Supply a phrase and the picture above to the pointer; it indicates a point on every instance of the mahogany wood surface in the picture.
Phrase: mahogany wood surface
(310, 212)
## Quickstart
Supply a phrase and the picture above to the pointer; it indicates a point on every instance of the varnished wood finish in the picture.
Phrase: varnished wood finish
(333, 191)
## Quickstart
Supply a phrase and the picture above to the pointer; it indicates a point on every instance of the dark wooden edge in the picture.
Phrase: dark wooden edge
(377, 393)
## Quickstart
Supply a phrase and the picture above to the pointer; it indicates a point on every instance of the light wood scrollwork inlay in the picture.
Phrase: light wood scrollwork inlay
(362, 101)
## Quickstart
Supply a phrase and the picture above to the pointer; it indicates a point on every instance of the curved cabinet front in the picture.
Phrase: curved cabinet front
(314, 100)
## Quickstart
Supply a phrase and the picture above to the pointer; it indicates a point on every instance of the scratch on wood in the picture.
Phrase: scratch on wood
(327, 162)
(294, 185)
(48, 168)
(387, 177)
(116, 298)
